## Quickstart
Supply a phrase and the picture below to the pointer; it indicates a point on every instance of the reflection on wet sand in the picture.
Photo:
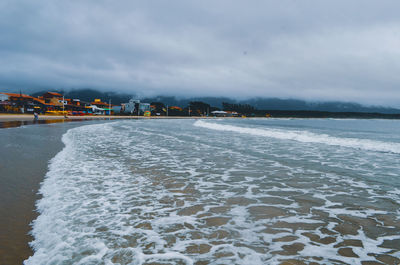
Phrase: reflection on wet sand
(11, 124)
(24, 156)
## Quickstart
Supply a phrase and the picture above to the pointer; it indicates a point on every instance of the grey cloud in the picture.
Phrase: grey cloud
(316, 50)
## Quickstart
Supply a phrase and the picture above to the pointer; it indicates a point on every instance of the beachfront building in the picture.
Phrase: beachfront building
(4, 97)
(134, 107)
(143, 107)
(219, 113)
(80, 107)
(54, 102)
(21, 103)
(4, 101)
(53, 99)
(51, 103)
(77, 107)
(232, 113)
(93, 109)
(116, 109)
(130, 107)
(101, 107)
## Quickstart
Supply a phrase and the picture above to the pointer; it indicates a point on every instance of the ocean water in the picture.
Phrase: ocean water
(237, 191)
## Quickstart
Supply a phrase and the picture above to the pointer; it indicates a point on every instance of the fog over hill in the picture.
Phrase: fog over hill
(259, 103)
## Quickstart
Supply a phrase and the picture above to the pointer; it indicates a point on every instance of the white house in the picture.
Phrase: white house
(96, 110)
(4, 97)
(219, 113)
(132, 106)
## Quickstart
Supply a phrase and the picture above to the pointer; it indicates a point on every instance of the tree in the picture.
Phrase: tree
(158, 107)
(176, 111)
(240, 108)
(199, 108)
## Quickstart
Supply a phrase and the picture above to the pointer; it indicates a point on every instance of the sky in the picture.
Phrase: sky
(312, 50)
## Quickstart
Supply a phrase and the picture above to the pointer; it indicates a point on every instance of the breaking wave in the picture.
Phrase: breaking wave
(307, 137)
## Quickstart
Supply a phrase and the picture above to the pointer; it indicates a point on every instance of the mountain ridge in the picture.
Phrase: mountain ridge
(258, 103)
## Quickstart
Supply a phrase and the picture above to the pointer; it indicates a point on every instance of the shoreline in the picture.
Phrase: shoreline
(19, 185)
(17, 120)
(28, 117)
(24, 157)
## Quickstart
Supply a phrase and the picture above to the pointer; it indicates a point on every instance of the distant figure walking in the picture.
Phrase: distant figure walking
(35, 116)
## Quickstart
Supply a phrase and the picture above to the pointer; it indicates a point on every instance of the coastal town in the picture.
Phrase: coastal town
(54, 103)
(51, 105)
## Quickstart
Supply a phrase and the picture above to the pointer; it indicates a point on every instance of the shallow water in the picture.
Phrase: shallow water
(260, 191)
(24, 156)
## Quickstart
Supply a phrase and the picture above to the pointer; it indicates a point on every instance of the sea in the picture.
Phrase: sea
(222, 191)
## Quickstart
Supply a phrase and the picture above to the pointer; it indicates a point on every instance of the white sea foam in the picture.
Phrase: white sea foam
(139, 192)
(306, 137)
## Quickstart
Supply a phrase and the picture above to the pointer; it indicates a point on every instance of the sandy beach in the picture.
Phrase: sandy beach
(24, 157)
(29, 117)
(16, 120)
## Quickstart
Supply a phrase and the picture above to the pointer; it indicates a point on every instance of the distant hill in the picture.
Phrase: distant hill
(258, 103)
(279, 104)
(332, 106)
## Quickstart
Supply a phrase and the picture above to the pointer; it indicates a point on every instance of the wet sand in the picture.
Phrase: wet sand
(29, 117)
(24, 156)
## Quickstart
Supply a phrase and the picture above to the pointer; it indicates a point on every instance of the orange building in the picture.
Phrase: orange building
(21, 103)
(53, 98)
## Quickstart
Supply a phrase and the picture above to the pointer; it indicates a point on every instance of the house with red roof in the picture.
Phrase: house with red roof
(21, 103)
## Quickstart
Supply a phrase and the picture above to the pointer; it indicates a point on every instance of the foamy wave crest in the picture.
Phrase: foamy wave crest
(306, 137)
(85, 217)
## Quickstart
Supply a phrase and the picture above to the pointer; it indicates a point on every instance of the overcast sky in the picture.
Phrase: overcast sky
(313, 50)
